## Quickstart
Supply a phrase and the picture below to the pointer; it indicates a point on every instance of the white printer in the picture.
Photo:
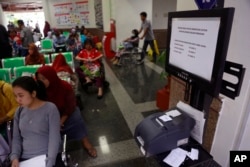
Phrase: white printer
(163, 131)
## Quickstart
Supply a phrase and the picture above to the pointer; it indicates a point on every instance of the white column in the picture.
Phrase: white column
(106, 8)
(46, 10)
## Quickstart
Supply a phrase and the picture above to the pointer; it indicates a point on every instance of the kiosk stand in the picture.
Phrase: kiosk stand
(197, 47)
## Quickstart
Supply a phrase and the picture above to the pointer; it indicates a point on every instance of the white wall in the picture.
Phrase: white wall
(2, 18)
(232, 119)
(186, 5)
(245, 135)
(160, 12)
(127, 16)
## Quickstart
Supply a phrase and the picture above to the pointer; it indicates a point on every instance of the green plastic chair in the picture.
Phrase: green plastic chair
(47, 58)
(68, 56)
(53, 56)
(47, 46)
(25, 70)
(13, 62)
(5, 74)
(66, 34)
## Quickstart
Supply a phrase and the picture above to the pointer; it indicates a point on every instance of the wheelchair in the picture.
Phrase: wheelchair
(129, 53)
(129, 56)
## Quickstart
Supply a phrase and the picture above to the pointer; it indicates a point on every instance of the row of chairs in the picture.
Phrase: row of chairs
(15, 67)
(7, 76)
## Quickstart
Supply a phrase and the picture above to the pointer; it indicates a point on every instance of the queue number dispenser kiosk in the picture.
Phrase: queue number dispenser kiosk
(196, 53)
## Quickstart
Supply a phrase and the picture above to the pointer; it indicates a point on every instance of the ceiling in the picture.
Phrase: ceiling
(20, 6)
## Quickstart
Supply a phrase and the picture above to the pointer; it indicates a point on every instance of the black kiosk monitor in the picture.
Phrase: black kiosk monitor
(197, 46)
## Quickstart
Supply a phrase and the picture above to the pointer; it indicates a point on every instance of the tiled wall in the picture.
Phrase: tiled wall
(177, 89)
(161, 38)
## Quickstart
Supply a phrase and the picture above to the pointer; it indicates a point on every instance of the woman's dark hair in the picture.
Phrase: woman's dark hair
(135, 32)
(88, 42)
(29, 84)
(144, 14)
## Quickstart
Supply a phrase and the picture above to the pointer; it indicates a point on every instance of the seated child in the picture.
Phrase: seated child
(127, 44)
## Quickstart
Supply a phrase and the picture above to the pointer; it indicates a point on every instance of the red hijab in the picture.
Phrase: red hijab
(60, 64)
(59, 92)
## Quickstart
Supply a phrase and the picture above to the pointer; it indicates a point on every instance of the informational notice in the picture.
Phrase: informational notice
(71, 13)
(193, 45)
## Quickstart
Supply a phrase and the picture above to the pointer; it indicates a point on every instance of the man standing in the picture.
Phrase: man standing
(148, 37)
(26, 36)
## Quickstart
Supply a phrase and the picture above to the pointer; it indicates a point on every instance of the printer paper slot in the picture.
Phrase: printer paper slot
(159, 122)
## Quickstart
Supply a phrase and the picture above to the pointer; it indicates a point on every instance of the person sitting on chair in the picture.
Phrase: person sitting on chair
(129, 43)
(64, 71)
(59, 42)
(8, 105)
(90, 70)
(34, 57)
(62, 95)
(36, 132)
(73, 43)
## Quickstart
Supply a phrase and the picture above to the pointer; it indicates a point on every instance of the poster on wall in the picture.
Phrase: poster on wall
(72, 13)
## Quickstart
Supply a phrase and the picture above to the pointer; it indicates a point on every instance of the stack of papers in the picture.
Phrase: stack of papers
(177, 156)
(39, 161)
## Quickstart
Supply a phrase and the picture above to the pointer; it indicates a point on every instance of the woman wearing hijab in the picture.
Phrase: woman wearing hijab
(34, 57)
(62, 95)
(63, 70)
(5, 47)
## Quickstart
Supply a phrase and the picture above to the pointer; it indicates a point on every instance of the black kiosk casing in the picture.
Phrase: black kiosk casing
(155, 136)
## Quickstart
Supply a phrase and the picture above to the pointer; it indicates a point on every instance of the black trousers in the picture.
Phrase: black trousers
(145, 46)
